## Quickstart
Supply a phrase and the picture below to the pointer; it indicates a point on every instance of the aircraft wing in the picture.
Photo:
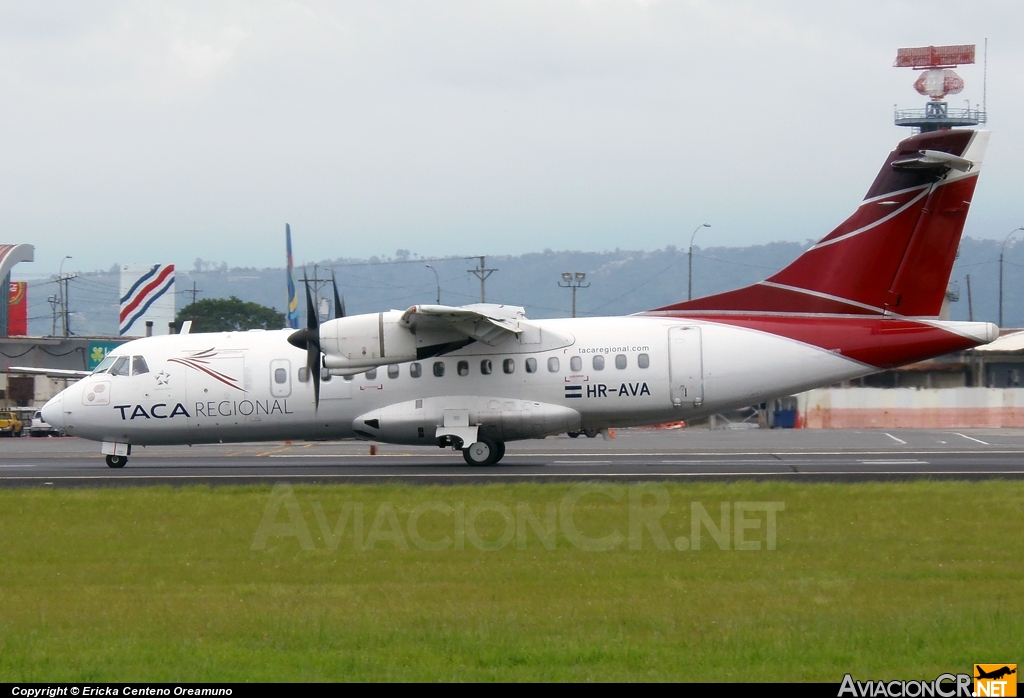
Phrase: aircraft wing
(482, 322)
(51, 372)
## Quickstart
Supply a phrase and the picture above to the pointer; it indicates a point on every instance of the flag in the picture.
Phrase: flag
(147, 293)
(293, 300)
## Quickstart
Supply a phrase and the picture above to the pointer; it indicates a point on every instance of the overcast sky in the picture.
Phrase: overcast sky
(164, 131)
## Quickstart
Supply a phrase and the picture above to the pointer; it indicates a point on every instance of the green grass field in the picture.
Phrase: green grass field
(159, 584)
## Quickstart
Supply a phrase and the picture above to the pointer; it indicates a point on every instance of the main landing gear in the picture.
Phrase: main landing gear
(116, 461)
(484, 452)
(116, 453)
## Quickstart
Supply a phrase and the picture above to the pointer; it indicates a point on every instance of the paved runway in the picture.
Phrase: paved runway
(635, 454)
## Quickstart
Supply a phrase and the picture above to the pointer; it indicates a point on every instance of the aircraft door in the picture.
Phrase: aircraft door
(280, 377)
(685, 366)
(215, 389)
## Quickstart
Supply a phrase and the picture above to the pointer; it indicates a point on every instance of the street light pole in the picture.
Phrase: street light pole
(574, 280)
(437, 280)
(689, 262)
(1001, 253)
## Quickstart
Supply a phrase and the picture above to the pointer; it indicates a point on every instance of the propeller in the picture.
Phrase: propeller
(339, 302)
(309, 339)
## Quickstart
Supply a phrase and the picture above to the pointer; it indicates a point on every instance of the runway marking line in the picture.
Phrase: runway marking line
(284, 447)
(522, 475)
(719, 462)
(895, 439)
(655, 454)
(902, 461)
(971, 438)
(582, 462)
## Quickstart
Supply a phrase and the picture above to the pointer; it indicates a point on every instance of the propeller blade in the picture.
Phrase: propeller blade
(309, 339)
(339, 302)
(313, 363)
(312, 321)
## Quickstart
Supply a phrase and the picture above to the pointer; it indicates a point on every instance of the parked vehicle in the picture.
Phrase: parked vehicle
(10, 425)
(39, 427)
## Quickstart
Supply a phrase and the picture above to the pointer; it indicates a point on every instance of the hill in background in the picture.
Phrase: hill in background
(622, 282)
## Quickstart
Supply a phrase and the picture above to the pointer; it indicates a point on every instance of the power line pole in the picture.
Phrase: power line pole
(64, 300)
(970, 301)
(194, 292)
(62, 289)
(481, 272)
(54, 302)
(317, 284)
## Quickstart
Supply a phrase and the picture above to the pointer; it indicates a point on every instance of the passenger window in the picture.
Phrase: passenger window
(643, 361)
(139, 365)
(620, 361)
(439, 368)
(371, 374)
(463, 368)
(392, 370)
(553, 364)
(121, 367)
(280, 375)
(575, 364)
(415, 369)
(531, 365)
(509, 365)
(486, 367)
(303, 375)
(598, 362)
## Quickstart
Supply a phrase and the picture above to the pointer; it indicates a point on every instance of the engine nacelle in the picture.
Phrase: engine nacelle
(365, 341)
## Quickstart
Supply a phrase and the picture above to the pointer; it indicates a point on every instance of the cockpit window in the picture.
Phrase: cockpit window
(107, 362)
(139, 365)
(121, 367)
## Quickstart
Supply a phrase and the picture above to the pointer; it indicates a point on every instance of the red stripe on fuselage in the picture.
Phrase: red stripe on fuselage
(874, 341)
(766, 299)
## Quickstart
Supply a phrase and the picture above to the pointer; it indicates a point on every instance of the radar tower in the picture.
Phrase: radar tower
(937, 80)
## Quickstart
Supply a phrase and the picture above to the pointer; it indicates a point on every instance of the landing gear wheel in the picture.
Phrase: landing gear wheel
(116, 461)
(573, 434)
(591, 433)
(483, 452)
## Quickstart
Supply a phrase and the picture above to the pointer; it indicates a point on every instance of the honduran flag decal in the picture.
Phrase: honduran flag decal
(149, 288)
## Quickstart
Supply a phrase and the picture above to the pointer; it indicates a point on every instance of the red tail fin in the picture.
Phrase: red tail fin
(894, 254)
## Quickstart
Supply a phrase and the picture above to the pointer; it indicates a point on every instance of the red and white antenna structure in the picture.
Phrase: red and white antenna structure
(937, 80)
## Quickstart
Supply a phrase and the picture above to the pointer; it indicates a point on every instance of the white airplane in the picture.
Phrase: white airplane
(866, 297)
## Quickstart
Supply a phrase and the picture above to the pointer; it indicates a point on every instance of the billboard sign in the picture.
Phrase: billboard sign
(17, 309)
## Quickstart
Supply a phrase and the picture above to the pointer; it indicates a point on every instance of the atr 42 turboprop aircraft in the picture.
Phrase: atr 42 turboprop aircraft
(866, 297)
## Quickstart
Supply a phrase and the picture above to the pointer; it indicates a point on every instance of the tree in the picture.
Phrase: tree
(228, 315)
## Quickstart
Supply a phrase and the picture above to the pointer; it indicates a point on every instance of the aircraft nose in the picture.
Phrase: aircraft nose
(53, 411)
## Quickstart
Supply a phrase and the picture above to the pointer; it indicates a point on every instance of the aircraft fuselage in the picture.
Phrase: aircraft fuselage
(571, 375)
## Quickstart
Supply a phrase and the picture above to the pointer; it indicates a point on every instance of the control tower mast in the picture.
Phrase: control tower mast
(936, 81)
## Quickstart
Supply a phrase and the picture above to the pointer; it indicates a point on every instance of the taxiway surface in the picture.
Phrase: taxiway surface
(635, 454)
